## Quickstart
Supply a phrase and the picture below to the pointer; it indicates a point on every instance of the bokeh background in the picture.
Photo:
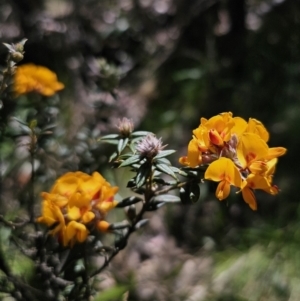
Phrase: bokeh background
(165, 64)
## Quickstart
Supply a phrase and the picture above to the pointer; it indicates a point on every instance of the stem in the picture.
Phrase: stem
(31, 192)
(131, 229)
(6, 75)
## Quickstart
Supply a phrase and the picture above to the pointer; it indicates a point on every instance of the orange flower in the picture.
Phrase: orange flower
(238, 155)
(39, 79)
(77, 203)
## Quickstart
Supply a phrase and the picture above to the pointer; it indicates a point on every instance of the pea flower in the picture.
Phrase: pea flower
(33, 78)
(76, 205)
(237, 153)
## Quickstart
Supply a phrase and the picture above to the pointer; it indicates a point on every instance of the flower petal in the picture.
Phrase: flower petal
(223, 169)
(249, 198)
(223, 190)
(251, 148)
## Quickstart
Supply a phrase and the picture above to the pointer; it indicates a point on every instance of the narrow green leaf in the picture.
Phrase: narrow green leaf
(194, 190)
(175, 169)
(142, 174)
(141, 223)
(164, 153)
(120, 225)
(113, 156)
(111, 141)
(166, 169)
(129, 201)
(166, 198)
(190, 193)
(109, 137)
(163, 161)
(155, 206)
(20, 121)
(140, 133)
(131, 160)
(122, 144)
(112, 294)
(49, 127)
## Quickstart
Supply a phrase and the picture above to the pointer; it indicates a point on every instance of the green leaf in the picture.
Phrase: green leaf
(142, 174)
(20, 121)
(112, 294)
(190, 193)
(109, 137)
(111, 141)
(164, 153)
(175, 169)
(141, 223)
(9, 47)
(140, 133)
(155, 206)
(166, 169)
(131, 160)
(129, 201)
(166, 198)
(113, 156)
(163, 161)
(120, 225)
(122, 144)
(49, 127)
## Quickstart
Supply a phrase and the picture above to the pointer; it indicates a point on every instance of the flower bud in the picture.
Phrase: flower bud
(149, 146)
(17, 56)
(125, 126)
(103, 226)
(215, 138)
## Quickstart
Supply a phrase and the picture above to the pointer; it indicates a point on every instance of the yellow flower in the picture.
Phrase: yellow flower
(76, 204)
(224, 171)
(33, 78)
(237, 153)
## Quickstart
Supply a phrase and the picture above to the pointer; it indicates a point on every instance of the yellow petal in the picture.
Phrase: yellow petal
(271, 166)
(193, 153)
(76, 231)
(251, 148)
(275, 152)
(87, 217)
(240, 126)
(74, 213)
(256, 127)
(223, 169)
(261, 182)
(258, 167)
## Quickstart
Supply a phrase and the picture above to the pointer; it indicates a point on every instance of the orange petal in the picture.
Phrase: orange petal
(215, 138)
(223, 190)
(249, 198)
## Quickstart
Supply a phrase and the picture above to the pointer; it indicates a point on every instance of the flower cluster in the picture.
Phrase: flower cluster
(32, 78)
(237, 153)
(76, 205)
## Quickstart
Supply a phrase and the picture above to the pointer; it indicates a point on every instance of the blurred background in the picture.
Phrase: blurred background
(165, 64)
